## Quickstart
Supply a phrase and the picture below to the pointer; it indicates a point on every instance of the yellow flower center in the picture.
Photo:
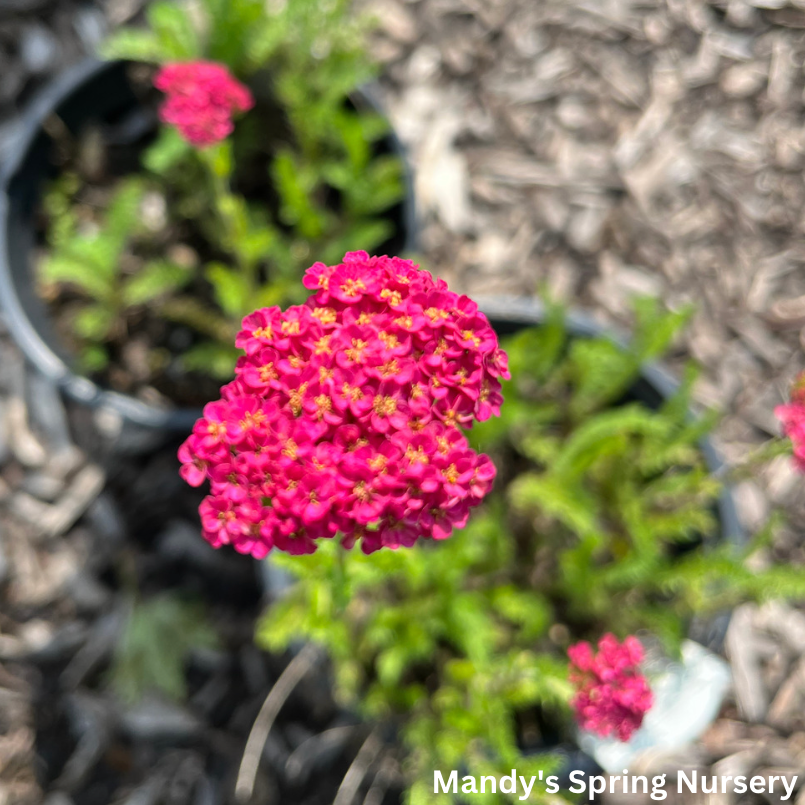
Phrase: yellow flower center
(436, 313)
(352, 288)
(389, 368)
(267, 373)
(378, 463)
(418, 456)
(355, 352)
(361, 492)
(217, 429)
(353, 393)
(322, 346)
(252, 420)
(295, 397)
(384, 406)
(393, 297)
(451, 474)
(326, 315)
(323, 405)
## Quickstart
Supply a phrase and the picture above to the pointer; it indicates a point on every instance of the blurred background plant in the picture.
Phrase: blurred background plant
(94, 262)
(153, 647)
(603, 519)
(307, 175)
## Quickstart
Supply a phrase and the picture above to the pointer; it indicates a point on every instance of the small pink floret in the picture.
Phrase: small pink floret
(612, 696)
(344, 415)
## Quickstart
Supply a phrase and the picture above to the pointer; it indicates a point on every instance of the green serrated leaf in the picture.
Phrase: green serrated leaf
(231, 290)
(295, 183)
(93, 358)
(64, 268)
(134, 45)
(655, 328)
(94, 322)
(168, 151)
(174, 31)
(155, 279)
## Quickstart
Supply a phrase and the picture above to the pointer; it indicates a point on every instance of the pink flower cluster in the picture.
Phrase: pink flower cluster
(344, 416)
(612, 696)
(792, 417)
(202, 97)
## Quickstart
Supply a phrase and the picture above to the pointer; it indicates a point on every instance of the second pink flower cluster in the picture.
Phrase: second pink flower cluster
(201, 100)
(612, 696)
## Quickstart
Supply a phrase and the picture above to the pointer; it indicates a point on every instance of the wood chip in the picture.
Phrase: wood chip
(741, 649)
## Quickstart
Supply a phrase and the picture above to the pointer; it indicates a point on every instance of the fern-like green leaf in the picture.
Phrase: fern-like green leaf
(135, 45)
(153, 280)
(174, 31)
(65, 268)
(94, 322)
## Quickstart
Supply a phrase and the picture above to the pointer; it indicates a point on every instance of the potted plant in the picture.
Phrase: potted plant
(154, 199)
(344, 429)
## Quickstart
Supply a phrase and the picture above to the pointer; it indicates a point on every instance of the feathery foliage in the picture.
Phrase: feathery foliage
(93, 263)
(603, 519)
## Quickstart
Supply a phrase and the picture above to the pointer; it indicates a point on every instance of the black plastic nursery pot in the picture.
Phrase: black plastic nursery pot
(654, 386)
(101, 94)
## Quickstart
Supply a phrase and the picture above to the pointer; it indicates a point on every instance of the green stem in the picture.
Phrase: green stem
(339, 581)
(217, 162)
(747, 467)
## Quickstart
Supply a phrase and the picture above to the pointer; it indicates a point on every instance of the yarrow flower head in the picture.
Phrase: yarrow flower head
(612, 696)
(792, 417)
(345, 415)
(202, 98)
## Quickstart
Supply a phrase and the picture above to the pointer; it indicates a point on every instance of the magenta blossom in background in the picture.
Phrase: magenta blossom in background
(202, 98)
(345, 413)
(612, 695)
(792, 417)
